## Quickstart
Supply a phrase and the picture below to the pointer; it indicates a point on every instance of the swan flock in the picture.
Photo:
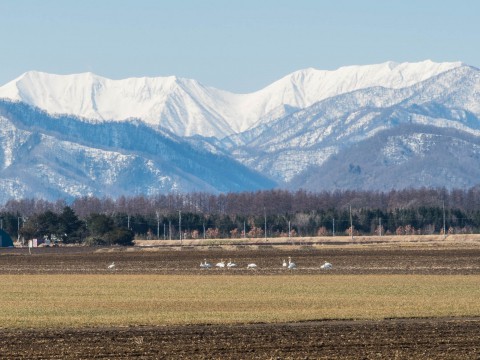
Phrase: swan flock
(289, 265)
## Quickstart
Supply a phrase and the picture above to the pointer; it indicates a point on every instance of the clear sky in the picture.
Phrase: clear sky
(236, 45)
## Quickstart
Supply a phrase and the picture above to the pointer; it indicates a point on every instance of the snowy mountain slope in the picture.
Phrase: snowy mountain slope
(404, 157)
(303, 88)
(287, 147)
(62, 157)
(186, 107)
(183, 106)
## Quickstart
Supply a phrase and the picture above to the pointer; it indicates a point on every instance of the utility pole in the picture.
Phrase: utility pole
(265, 215)
(289, 231)
(333, 227)
(380, 226)
(18, 229)
(170, 229)
(244, 230)
(444, 224)
(158, 226)
(164, 231)
(204, 231)
(128, 222)
(180, 225)
(351, 222)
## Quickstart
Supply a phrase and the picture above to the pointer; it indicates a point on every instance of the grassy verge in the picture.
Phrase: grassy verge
(128, 300)
(415, 240)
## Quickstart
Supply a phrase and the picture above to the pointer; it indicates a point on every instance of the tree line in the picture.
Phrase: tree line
(66, 227)
(269, 213)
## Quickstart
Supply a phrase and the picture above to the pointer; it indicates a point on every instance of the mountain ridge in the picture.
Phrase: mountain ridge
(374, 127)
(187, 107)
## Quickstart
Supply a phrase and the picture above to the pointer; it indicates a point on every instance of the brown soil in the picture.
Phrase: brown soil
(387, 339)
(366, 260)
(450, 338)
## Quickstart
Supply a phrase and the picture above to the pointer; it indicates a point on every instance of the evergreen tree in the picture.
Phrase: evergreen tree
(70, 228)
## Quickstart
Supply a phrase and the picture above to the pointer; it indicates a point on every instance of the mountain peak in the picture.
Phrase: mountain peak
(402, 74)
(35, 75)
(188, 108)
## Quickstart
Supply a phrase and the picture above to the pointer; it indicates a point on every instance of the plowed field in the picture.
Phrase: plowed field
(386, 339)
(432, 338)
(347, 261)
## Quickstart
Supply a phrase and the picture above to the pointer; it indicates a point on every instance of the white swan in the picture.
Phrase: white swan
(231, 264)
(111, 266)
(221, 264)
(326, 266)
(252, 266)
(291, 265)
(284, 263)
(205, 264)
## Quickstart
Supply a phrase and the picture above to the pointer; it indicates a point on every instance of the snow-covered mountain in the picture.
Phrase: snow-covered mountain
(186, 107)
(49, 157)
(289, 146)
(373, 127)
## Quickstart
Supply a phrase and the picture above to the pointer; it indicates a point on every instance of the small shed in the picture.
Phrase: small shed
(5, 239)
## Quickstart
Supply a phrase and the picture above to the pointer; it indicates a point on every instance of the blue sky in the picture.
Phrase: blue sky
(239, 46)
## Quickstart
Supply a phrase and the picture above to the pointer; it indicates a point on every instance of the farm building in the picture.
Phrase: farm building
(5, 239)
